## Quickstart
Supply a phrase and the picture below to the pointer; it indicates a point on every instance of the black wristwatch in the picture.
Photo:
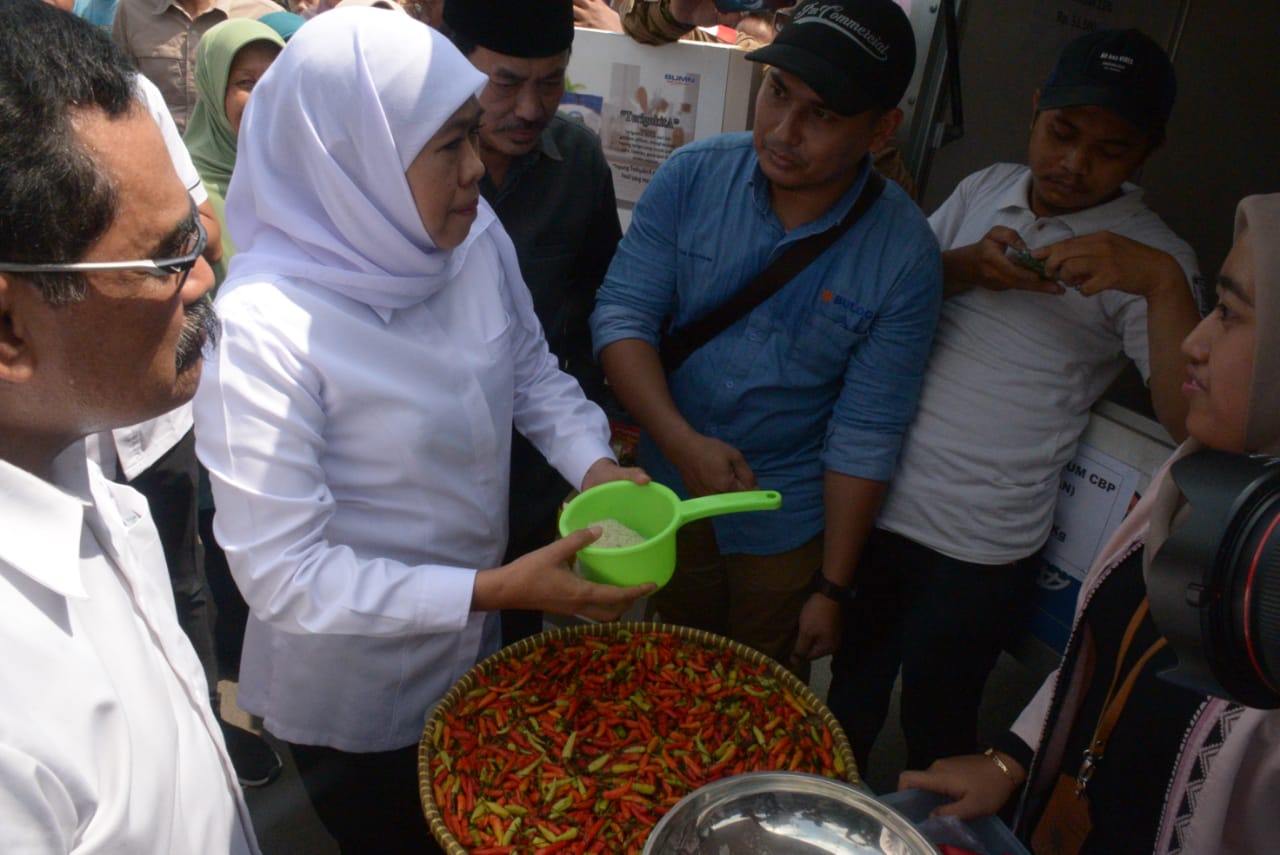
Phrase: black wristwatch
(824, 586)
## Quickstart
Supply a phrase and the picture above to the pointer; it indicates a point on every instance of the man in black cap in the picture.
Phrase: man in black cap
(548, 181)
(1021, 356)
(809, 390)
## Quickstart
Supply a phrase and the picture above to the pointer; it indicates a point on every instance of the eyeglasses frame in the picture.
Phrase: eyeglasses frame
(180, 266)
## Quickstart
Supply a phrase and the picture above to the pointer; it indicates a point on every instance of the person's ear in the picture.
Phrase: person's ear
(17, 361)
(884, 129)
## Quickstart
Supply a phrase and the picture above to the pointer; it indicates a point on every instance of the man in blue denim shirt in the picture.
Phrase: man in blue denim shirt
(811, 392)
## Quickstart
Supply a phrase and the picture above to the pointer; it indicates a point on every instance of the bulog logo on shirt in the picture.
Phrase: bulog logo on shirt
(829, 296)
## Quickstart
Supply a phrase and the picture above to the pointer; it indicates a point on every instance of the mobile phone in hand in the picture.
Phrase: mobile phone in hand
(1023, 258)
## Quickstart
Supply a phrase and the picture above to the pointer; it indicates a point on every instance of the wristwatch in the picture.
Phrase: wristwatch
(824, 586)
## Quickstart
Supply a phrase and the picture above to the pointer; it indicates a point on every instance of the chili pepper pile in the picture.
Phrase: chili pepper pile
(583, 744)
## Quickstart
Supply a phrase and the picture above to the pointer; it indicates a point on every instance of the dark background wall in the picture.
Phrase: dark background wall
(1224, 137)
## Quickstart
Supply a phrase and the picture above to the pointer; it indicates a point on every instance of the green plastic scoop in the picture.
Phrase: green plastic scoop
(657, 513)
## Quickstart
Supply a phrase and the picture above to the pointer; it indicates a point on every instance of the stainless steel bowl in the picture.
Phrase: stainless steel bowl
(783, 813)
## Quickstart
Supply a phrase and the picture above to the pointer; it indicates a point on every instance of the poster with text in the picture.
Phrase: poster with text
(649, 113)
(1095, 492)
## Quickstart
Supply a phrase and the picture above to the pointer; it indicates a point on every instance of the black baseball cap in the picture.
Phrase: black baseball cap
(1124, 71)
(525, 28)
(855, 54)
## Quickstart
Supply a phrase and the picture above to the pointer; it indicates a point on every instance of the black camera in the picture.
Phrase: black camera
(1214, 586)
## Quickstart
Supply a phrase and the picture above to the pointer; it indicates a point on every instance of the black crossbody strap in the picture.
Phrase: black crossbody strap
(679, 345)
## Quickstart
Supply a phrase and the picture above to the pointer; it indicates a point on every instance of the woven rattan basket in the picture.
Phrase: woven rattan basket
(480, 674)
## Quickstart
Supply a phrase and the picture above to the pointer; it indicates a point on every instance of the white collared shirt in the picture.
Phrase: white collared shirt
(359, 459)
(107, 740)
(1012, 377)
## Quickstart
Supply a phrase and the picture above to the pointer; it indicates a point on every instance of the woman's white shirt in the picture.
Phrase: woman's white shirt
(359, 459)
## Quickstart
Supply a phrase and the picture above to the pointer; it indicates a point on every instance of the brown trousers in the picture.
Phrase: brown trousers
(752, 599)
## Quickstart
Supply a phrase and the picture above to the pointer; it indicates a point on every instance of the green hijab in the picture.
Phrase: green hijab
(209, 136)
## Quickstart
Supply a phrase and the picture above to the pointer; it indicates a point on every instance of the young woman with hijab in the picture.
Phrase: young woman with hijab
(230, 59)
(1181, 771)
(378, 345)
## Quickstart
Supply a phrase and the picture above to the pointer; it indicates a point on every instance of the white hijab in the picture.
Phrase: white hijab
(319, 190)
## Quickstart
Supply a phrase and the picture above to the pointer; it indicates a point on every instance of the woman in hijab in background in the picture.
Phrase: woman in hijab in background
(1180, 771)
(378, 345)
(230, 59)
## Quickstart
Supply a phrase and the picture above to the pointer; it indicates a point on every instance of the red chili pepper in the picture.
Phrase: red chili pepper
(666, 715)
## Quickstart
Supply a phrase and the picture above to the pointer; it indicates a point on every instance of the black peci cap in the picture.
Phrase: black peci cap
(524, 28)
(855, 54)
(1121, 70)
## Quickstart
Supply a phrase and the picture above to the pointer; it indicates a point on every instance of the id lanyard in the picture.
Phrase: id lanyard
(1116, 699)
(1066, 824)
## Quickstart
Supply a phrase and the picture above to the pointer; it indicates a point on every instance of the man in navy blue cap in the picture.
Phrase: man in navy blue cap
(810, 392)
(548, 182)
(1057, 274)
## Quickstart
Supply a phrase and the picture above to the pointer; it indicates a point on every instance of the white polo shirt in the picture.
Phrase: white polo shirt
(1012, 377)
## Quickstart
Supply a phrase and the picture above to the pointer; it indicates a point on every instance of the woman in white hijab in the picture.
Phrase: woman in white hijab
(1109, 756)
(378, 345)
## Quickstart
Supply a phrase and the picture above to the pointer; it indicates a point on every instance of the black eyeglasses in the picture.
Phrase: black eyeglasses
(179, 266)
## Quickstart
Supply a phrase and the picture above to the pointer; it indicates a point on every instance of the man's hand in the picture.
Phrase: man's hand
(709, 466)
(596, 14)
(978, 785)
(544, 580)
(605, 470)
(985, 265)
(1104, 261)
(819, 629)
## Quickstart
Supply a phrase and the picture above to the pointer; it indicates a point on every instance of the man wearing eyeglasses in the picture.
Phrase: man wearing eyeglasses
(107, 741)
(157, 458)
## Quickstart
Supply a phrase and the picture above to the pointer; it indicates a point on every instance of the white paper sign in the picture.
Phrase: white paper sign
(646, 101)
(1094, 495)
(649, 113)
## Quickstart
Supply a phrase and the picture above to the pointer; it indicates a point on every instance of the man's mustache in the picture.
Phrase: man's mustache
(522, 125)
(200, 327)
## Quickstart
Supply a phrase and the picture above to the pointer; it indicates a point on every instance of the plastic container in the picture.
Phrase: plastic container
(655, 512)
(990, 831)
